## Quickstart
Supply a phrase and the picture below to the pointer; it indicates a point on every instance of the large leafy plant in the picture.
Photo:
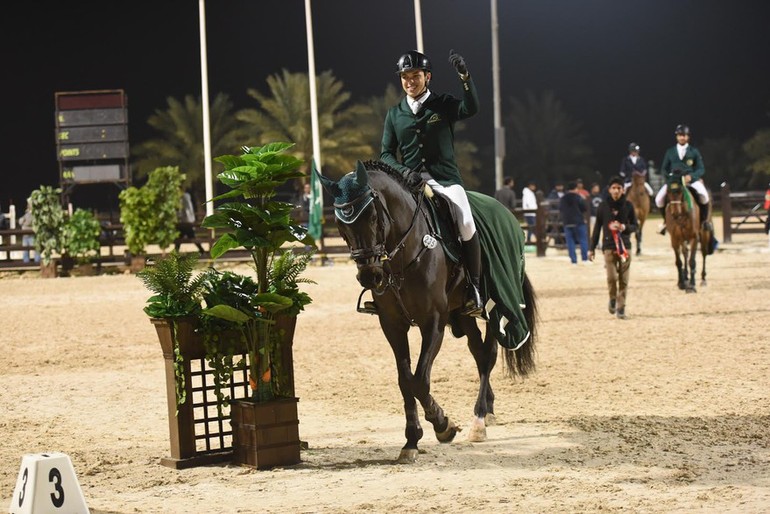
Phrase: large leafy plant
(49, 220)
(80, 236)
(253, 219)
(149, 213)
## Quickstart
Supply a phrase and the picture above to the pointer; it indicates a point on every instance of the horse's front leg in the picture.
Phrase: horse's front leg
(432, 337)
(399, 343)
(692, 265)
(681, 272)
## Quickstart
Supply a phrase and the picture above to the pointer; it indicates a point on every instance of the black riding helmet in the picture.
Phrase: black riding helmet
(412, 60)
(682, 129)
(633, 147)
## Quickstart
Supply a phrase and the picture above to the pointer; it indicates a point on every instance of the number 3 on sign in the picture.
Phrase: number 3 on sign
(47, 483)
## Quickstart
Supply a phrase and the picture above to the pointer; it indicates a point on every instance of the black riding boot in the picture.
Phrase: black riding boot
(471, 251)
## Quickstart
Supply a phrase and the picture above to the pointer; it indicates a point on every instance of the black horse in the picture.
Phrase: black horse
(394, 241)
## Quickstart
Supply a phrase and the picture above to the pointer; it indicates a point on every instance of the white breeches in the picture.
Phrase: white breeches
(456, 194)
(700, 188)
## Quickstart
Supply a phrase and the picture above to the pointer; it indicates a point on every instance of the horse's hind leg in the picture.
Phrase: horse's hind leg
(484, 352)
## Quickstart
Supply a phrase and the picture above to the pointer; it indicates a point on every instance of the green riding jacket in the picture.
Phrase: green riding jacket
(426, 139)
(692, 164)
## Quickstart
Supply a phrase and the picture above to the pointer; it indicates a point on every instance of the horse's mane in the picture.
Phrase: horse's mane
(374, 165)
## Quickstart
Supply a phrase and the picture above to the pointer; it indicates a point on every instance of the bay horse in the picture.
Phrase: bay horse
(684, 227)
(637, 195)
(393, 241)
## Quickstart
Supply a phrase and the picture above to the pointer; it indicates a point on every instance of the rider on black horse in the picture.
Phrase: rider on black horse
(684, 160)
(421, 129)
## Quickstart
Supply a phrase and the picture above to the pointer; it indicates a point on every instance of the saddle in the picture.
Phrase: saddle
(442, 223)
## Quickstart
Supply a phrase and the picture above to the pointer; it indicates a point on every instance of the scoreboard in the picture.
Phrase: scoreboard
(92, 137)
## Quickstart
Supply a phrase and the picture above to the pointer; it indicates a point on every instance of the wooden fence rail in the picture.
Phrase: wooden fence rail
(742, 212)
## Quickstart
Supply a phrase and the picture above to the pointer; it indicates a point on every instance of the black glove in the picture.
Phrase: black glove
(414, 181)
(458, 62)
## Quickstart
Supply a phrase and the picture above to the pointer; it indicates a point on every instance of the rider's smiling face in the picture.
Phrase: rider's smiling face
(414, 82)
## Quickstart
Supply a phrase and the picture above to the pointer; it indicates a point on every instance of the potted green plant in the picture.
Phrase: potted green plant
(260, 310)
(149, 213)
(80, 241)
(48, 223)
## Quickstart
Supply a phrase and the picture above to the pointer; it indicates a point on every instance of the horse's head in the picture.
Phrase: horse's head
(675, 198)
(361, 218)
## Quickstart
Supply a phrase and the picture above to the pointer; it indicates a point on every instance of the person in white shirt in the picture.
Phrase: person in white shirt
(529, 201)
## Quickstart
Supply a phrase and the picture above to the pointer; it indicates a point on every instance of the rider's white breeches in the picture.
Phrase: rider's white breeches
(698, 185)
(456, 193)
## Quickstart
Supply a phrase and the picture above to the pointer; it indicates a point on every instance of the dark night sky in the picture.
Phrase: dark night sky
(627, 70)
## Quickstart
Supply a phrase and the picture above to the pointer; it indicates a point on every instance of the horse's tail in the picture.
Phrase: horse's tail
(521, 362)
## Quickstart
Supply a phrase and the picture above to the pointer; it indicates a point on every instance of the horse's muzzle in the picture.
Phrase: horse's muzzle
(372, 276)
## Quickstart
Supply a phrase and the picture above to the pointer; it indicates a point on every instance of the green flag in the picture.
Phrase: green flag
(316, 217)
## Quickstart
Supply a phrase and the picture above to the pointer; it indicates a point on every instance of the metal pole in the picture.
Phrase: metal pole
(418, 25)
(313, 101)
(499, 129)
(205, 105)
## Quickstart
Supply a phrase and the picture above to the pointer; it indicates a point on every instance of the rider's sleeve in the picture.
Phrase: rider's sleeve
(389, 150)
(469, 105)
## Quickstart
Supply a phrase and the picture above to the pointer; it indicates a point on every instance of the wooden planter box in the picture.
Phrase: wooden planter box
(265, 434)
(198, 434)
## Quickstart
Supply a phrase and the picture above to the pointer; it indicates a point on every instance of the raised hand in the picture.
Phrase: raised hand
(458, 62)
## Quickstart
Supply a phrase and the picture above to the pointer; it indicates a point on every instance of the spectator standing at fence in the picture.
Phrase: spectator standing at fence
(572, 211)
(529, 203)
(27, 222)
(186, 222)
(506, 195)
(616, 219)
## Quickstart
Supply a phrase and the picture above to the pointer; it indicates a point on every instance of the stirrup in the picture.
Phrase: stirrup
(368, 308)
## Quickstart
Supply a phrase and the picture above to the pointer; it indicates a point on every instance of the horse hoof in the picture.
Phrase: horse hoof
(407, 456)
(691, 290)
(449, 434)
(490, 419)
(478, 431)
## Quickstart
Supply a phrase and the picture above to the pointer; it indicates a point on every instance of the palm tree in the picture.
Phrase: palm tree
(180, 141)
(544, 142)
(284, 115)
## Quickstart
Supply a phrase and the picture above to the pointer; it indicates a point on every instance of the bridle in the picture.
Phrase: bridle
(349, 212)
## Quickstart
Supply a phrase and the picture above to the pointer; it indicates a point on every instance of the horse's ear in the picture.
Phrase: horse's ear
(327, 183)
(361, 176)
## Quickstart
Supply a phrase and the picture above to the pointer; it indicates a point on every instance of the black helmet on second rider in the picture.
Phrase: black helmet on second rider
(682, 129)
(412, 60)
(633, 147)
